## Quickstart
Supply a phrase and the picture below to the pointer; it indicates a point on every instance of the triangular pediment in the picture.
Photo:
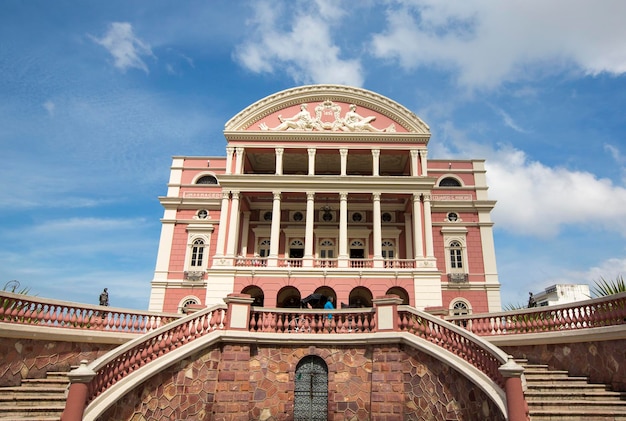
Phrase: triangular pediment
(327, 108)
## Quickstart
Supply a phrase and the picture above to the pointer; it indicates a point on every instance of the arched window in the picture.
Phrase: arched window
(186, 302)
(197, 253)
(264, 248)
(388, 250)
(459, 308)
(449, 182)
(456, 255)
(206, 179)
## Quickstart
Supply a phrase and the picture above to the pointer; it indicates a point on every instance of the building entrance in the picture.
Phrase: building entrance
(311, 390)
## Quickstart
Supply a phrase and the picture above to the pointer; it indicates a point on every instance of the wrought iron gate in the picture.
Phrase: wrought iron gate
(311, 392)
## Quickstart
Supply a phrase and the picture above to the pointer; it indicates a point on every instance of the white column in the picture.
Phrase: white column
(407, 237)
(221, 236)
(245, 229)
(311, 152)
(375, 162)
(414, 168)
(275, 230)
(279, 160)
(343, 152)
(308, 235)
(424, 161)
(239, 161)
(378, 237)
(428, 227)
(233, 225)
(343, 229)
(417, 227)
(229, 159)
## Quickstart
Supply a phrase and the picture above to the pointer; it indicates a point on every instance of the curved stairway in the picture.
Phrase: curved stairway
(554, 395)
(35, 399)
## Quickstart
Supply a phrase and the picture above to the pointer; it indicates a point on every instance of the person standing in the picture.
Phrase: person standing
(104, 298)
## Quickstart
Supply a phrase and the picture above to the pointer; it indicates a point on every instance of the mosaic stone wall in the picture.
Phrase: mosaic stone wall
(601, 361)
(28, 358)
(238, 382)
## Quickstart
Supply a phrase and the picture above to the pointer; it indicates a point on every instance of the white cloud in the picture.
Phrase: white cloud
(508, 120)
(127, 50)
(489, 42)
(305, 48)
(536, 199)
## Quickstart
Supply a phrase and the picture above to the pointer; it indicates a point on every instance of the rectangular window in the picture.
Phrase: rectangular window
(456, 262)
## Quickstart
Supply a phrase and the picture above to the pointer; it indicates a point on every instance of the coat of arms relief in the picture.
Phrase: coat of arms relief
(328, 117)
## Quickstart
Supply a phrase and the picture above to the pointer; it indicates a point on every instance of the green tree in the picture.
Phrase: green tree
(603, 287)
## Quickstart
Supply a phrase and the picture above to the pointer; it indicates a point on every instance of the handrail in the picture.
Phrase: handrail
(471, 348)
(30, 310)
(118, 363)
(598, 312)
(277, 320)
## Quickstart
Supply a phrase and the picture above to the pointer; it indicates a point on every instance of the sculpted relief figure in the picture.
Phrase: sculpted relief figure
(300, 121)
(354, 122)
(327, 117)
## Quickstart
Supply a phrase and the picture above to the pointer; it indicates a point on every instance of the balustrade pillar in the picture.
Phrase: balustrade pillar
(386, 312)
(516, 406)
(238, 313)
(78, 391)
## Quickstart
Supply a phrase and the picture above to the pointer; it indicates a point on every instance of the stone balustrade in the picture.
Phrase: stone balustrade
(482, 355)
(41, 312)
(599, 312)
(359, 320)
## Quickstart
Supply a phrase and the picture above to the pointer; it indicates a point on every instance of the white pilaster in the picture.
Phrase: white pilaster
(311, 152)
(245, 229)
(222, 233)
(343, 228)
(308, 235)
(417, 227)
(229, 159)
(428, 227)
(233, 225)
(375, 162)
(239, 161)
(424, 161)
(378, 238)
(414, 166)
(279, 160)
(344, 160)
(274, 230)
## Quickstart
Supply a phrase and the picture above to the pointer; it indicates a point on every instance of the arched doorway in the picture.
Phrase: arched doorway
(288, 297)
(360, 297)
(256, 293)
(311, 390)
(400, 292)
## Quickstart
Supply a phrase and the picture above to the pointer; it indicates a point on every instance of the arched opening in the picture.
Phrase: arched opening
(311, 390)
(327, 292)
(288, 297)
(449, 182)
(207, 179)
(360, 297)
(256, 293)
(400, 292)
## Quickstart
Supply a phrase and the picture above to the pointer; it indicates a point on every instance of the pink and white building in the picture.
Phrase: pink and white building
(327, 189)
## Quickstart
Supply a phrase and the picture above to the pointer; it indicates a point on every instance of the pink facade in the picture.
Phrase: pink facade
(327, 189)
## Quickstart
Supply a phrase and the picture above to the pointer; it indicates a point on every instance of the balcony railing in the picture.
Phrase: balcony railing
(40, 312)
(599, 312)
(312, 321)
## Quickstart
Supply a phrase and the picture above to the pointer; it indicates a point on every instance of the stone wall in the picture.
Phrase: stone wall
(242, 382)
(602, 361)
(32, 358)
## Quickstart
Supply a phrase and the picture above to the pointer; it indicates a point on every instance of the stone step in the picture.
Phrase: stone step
(31, 399)
(573, 387)
(617, 406)
(575, 414)
(575, 395)
(46, 382)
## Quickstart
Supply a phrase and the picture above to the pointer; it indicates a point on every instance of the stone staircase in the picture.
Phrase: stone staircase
(35, 399)
(553, 395)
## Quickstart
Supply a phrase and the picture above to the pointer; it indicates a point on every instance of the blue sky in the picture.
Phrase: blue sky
(96, 97)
